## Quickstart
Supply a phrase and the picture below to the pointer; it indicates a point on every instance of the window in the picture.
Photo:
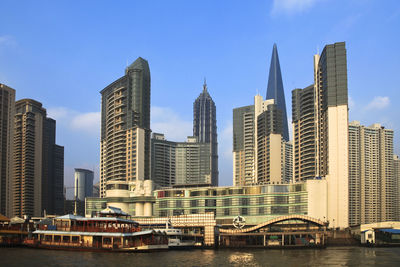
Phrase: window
(244, 211)
(211, 202)
(227, 212)
(227, 202)
(163, 204)
(193, 203)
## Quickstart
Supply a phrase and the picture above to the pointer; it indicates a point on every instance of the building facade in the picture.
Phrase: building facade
(396, 168)
(38, 177)
(243, 146)
(331, 112)
(303, 123)
(83, 184)
(205, 128)
(259, 150)
(180, 163)
(163, 160)
(372, 183)
(125, 127)
(7, 110)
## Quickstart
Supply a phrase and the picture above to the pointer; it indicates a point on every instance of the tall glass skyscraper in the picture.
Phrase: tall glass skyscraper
(275, 90)
(205, 127)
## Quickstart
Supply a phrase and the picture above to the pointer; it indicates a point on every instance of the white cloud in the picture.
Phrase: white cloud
(165, 120)
(7, 40)
(379, 102)
(88, 123)
(291, 6)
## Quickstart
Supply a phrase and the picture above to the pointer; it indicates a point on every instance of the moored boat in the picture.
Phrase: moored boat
(70, 232)
(176, 239)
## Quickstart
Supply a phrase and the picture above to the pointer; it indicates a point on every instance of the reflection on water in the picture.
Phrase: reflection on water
(334, 256)
(242, 259)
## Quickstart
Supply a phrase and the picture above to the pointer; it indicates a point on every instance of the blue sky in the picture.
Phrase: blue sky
(62, 53)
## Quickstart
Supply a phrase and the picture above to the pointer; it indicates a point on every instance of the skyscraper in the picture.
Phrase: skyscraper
(163, 160)
(7, 110)
(396, 168)
(275, 90)
(331, 113)
(303, 116)
(259, 150)
(320, 128)
(83, 184)
(180, 163)
(125, 127)
(205, 128)
(372, 183)
(38, 162)
(243, 146)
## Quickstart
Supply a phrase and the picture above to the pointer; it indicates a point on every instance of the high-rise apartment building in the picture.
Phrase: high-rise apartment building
(7, 110)
(303, 117)
(372, 183)
(180, 163)
(38, 177)
(287, 159)
(396, 168)
(83, 184)
(259, 150)
(320, 130)
(275, 91)
(193, 162)
(125, 127)
(205, 128)
(331, 113)
(268, 142)
(163, 160)
(243, 146)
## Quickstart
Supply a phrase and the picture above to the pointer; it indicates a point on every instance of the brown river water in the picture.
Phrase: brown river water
(332, 256)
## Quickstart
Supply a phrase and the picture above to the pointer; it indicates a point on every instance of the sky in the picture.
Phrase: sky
(63, 53)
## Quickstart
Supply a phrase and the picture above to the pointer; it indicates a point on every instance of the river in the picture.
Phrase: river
(333, 256)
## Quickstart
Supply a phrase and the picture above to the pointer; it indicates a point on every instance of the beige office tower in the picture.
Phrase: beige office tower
(7, 110)
(331, 121)
(38, 177)
(303, 123)
(243, 146)
(125, 127)
(396, 168)
(372, 183)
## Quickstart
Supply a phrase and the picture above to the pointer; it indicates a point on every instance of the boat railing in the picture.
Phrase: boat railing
(91, 229)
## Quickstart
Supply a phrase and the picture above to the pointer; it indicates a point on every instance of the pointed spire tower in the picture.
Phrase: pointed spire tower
(205, 128)
(275, 90)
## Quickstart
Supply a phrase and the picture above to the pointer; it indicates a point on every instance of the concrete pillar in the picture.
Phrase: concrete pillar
(139, 209)
(148, 209)
(265, 240)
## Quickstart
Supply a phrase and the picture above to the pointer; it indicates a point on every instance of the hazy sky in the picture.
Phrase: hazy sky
(62, 53)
